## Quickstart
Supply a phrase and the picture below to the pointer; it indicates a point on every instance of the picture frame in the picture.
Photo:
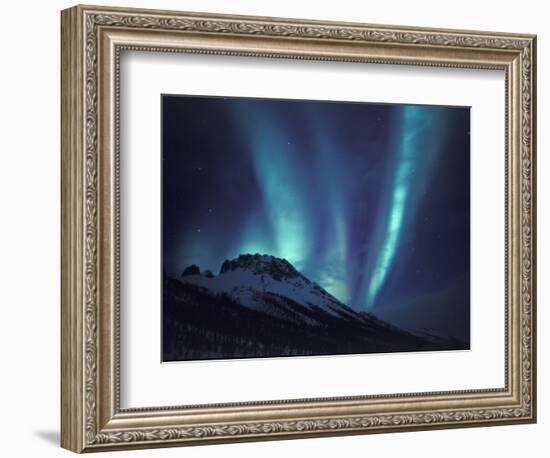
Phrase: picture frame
(92, 40)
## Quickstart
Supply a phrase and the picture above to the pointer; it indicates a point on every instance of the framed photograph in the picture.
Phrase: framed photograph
(278, 228)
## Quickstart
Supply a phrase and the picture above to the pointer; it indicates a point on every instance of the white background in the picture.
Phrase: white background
(146, 383)
(29, 242)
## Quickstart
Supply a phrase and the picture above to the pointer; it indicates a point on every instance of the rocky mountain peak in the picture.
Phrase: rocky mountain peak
(193, 269)
(258, 264)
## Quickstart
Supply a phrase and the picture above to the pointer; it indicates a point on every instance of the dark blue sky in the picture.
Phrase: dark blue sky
(371, 201)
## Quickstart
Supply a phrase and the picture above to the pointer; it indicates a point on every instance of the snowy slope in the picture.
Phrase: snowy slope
(269, 284)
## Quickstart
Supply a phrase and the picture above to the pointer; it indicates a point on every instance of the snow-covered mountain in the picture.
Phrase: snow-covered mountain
(260, 305)
(270, 285)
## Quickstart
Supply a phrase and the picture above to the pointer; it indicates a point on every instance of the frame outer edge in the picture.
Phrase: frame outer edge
(81, 377)
(533, 139)
(72, 435)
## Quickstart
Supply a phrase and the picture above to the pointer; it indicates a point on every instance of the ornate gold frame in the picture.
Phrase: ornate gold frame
(92, 38)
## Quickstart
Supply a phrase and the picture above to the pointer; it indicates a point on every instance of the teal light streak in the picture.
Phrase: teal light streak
(329, 264)
(280, 183)
(282, 198)
(413, 123)
(333, 276)
(334, 281)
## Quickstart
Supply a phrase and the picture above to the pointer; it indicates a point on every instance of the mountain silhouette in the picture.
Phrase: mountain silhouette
(262, 306)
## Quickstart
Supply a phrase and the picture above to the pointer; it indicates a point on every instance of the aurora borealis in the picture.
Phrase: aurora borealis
(371, 201)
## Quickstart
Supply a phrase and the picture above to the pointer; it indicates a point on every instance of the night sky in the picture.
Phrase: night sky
(371, 201)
